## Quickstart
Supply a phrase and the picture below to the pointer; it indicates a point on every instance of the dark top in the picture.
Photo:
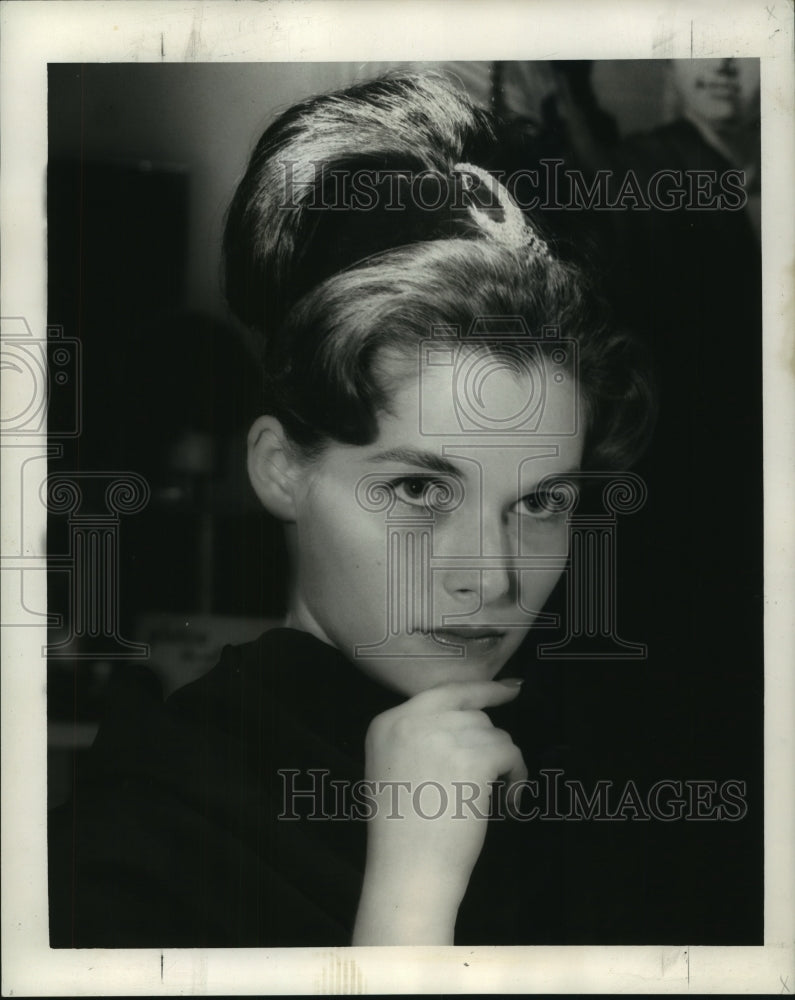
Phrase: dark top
(172, 838)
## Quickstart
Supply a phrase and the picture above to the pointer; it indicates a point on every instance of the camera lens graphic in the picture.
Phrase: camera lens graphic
(485, 409)
(25, 389)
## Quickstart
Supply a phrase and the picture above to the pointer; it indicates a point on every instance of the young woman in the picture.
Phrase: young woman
(435, 378)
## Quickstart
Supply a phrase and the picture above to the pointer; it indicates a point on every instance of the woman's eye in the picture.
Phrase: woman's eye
(541, 505)
(413, 489)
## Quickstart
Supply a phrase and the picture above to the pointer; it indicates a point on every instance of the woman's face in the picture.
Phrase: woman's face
(418, 592)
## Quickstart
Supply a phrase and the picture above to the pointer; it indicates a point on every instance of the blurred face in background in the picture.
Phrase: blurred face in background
(721, 93)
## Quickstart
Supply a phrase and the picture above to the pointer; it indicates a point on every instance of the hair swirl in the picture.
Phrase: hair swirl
(337, 278)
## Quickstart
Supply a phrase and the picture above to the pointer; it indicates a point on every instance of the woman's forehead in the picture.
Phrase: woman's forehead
(426, 431)
(463, 392)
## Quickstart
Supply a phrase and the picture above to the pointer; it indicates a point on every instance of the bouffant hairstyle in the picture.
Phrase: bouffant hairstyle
(351, 236)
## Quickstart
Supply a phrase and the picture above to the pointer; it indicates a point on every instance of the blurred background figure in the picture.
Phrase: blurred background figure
(720, 99)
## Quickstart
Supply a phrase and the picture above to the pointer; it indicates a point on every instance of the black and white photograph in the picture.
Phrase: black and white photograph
(397, 548)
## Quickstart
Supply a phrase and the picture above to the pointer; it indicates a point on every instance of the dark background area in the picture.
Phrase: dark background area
(142, 162)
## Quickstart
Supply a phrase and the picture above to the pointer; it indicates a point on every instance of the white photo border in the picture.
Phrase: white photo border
(39, 32)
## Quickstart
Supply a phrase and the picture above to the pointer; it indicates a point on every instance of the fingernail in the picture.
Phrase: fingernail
(511, 681)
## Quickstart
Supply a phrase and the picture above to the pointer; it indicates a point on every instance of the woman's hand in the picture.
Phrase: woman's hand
(423, 840)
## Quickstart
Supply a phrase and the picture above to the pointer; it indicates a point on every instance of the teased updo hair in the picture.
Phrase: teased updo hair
(336, 276)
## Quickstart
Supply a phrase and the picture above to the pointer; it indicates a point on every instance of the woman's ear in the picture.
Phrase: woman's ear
(271, 467)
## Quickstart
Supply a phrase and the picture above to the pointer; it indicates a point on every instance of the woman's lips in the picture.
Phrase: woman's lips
(470, 637)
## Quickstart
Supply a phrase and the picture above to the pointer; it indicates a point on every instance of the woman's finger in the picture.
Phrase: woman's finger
(481, 736)
(457, 695)
(516, 769)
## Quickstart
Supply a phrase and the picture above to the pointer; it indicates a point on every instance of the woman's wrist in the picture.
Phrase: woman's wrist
(407, 907)
(385, 919)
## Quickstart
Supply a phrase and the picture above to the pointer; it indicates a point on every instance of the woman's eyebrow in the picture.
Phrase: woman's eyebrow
(414, 456)
(549, 478)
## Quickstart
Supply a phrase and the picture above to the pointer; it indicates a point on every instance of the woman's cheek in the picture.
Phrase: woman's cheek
(367, 548)
(357, 548)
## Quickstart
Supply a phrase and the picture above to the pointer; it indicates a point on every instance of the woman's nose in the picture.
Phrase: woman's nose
(486, 585)
(486, 571)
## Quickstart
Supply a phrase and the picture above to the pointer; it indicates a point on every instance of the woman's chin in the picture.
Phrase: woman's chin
(412, 672)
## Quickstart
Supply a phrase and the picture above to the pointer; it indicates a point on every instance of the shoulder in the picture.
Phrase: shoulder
(674, 145)
(271, 666)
